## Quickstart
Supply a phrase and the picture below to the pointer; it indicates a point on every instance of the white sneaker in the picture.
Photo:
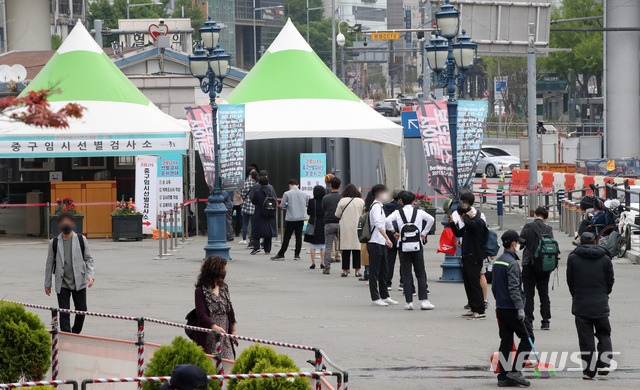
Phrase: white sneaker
(379, 302)
(243, 242)
(426, 305)
(391, 301)
(408, 306)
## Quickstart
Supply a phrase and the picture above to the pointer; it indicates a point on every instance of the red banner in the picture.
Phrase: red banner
(434, 131)
(199, 118)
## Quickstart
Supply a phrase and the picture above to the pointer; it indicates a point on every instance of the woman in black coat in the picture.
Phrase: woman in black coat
(316, 218)
(263, 226)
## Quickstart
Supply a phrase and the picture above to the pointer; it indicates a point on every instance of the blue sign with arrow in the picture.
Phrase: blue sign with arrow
(410, 124)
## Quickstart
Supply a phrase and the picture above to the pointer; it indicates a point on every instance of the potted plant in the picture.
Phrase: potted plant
(424, 202)
(64, 205)
(126, 221)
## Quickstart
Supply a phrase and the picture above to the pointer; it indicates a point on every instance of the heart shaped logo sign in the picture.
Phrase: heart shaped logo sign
(155, 31)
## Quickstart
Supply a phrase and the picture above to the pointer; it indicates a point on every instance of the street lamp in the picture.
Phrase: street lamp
(255, 47)
(341, 40)
(443, 56)
(140, 5)
(209, 64)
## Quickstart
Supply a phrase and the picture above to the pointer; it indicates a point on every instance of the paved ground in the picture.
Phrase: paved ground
(383, 348)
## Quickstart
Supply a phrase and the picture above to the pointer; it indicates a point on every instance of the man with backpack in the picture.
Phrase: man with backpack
(69, 259)
(539, 259)
(264, 219)
(410, 226)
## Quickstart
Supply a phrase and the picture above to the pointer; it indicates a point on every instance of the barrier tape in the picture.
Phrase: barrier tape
(72, 311)
(314, 374)
(39, 383)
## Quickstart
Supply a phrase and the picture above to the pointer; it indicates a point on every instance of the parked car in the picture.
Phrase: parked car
(493, 159)
(389, 107)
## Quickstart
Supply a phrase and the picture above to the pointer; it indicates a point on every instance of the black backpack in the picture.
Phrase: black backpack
(410, 240)
(54, 247)
(269, 206)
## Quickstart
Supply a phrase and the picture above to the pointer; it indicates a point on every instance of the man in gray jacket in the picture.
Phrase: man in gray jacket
(69, 258)
(295, 202)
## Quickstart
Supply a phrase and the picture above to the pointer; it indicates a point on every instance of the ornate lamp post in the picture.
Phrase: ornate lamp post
(443, 56)
(209, 64)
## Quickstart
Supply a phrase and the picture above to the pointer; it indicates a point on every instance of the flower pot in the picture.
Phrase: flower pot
(126, 226)
(54, 230)
(432, 212)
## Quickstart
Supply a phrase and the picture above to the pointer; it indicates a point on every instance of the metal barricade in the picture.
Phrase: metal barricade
(54, 383)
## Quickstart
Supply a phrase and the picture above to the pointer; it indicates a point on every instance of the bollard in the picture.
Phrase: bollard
(318, 368)
(175, 227)
(140, 344)
(510, 199)
(54, 343)
(519, 201)
(500, 208)
(164, 220)
(184, 225)
(160, 234)
(170, 232)
(197, 221)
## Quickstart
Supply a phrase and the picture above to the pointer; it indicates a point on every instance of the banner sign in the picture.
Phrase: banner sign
(472, 116)
(199, 118)
(146, 191)
(170, 184)
(91, 145)
(313, 167)
(232, 145)
(434, 131)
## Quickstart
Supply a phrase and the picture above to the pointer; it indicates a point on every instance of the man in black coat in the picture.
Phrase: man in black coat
(590, 281)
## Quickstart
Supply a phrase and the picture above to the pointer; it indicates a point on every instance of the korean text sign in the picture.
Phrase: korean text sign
(313, 167)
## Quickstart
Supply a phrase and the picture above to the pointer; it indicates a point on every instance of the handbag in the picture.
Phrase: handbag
(192, 320)
(311, 227)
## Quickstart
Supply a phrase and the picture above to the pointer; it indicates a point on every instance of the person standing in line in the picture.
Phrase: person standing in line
(590, 280)
(213, 306)
(335, 254)
(377, 246)
(532, 277)
(473, 256)
(264, 222)
(349, 210)
(392, 252)
(416, 219)
(331, 222)
(69, 258)
(507, 289)
(247, 207)
(295, 202)
(316, 219)
(228, 203)
(237, 212)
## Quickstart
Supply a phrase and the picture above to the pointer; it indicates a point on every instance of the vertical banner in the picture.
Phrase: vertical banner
(170, 184)
(232, 145)
(472, 116)
(146, 191)
(434, 131)
(313, 167)
(199, 118)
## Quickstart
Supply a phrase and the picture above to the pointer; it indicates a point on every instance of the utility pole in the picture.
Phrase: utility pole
(333, 36)
(426, 74)
(531, 127)
(500, 100)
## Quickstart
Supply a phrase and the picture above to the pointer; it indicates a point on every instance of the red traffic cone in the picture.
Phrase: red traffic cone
(484, 185)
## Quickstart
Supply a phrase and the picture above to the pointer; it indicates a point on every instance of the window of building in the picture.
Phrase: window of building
(37, 164)
(125, 162)
(89, 162)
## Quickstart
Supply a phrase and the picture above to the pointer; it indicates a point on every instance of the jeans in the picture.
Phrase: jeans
(246, 225)
(266, 242)
(415, 260)
(289, 228)
(377, 271)
(79, 303)
(471, 274)
(346, 259)
(508, 324)
(588, 328)
(331, 231)
(532, 280)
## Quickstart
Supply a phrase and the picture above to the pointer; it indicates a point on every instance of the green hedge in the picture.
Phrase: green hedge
(256, 360)
(25, 345)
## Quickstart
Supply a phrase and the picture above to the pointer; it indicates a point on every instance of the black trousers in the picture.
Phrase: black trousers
(471, 268)
(346, 259)
(588, 328)
(532, 280)
(237, 220)
(392, 254)
(266, 244)
(508, 325)
(291, 227)
(79, 303)
(413, 260)
(377, 271)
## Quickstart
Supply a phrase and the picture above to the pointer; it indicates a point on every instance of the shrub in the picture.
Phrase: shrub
(256, 360)
(25, 345)
(181, 351)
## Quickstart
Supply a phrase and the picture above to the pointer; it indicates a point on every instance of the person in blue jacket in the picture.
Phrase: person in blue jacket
(510, 299)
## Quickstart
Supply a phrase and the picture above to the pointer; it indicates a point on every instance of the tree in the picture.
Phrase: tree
(193, 12)
(586, 57)
(34, 109)
(515, 70)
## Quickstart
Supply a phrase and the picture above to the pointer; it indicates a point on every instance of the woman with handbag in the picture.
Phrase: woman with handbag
(213, 307)
(349, 210)
(314, 233)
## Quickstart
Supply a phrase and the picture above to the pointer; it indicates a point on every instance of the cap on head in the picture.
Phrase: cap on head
(187, 377)
(509, 237)
(587, 238)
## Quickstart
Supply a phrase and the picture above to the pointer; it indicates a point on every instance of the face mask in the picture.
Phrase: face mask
(66, 229)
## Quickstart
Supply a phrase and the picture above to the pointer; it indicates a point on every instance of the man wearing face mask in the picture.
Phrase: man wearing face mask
(69, 259)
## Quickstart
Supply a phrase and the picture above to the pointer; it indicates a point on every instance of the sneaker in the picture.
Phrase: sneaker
(408, 306)
(467, 307)
(313, 266)
(326, 271)
(507, 383)
(604, 371)
(587, 377)
(344, 274)
(486, 304)
(277, 258)
(477, 316)
(468, 314)
(379, 302)
(391, 301)
(400, 288)
(296, 258)
(255, 251)
(518, 378)
(545, 326)
(426, 305)
(243, 242)
(388, 288)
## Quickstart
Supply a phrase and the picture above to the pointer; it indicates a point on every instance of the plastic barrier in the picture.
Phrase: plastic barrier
(579, 181)
(519, 180)
(546, 181)
(599, 181)
(569, 181)
(558, 181)
(587, 180)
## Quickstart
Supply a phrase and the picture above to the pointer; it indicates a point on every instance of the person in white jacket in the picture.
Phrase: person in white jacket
(410, 240)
